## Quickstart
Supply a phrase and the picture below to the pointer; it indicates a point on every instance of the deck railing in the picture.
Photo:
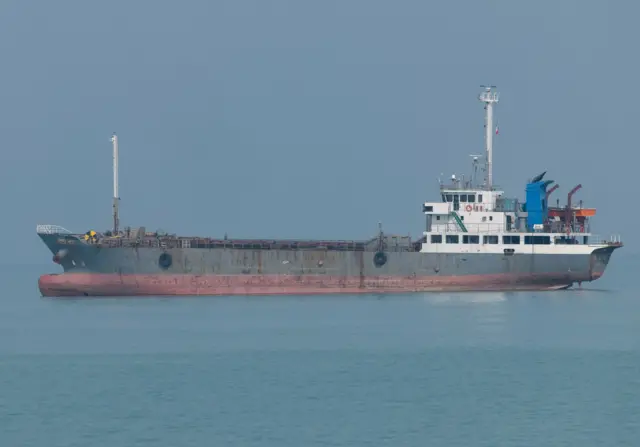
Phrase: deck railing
(467, 186)
(390, 244)
(51, 229)
(615, 240)
(493, 228)
(472, 228)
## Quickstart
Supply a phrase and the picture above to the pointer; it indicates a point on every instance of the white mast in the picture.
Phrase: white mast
(489, 97)
(116, 220)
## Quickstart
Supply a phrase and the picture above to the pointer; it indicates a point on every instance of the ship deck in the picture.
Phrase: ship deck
(389, 243)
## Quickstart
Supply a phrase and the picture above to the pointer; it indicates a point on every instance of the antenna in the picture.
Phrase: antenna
(116, 219)
(490, 97)
(474, 168)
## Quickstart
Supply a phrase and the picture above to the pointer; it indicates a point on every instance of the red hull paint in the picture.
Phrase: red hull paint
(93, 284)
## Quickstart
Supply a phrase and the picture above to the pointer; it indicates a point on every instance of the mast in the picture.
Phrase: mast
(116, 219)
(489, 97)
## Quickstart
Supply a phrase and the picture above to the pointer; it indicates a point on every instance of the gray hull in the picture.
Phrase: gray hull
(114, 271)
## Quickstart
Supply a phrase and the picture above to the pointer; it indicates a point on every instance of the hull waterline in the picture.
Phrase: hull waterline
(90, 284)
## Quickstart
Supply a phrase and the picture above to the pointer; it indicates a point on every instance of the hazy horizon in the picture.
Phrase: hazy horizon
(299, 119)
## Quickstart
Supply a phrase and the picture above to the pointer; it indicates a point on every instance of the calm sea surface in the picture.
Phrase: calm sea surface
(509, 369)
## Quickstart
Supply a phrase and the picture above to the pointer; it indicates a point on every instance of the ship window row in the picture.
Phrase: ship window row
(490, 239)
(537, 240)
(462, 198)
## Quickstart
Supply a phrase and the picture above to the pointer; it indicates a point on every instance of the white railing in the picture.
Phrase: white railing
(51, 229)
(473, 228)
(599, 240)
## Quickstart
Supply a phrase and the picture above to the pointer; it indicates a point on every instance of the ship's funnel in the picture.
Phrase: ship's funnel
(537, 178)
(537, 208)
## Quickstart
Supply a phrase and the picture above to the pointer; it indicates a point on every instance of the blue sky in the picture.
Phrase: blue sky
(305, 119)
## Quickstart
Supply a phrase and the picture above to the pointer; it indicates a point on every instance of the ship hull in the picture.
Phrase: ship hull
(91, 271)
(93, 284)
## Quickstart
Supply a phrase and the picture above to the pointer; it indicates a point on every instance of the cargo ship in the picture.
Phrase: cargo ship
(475, 239)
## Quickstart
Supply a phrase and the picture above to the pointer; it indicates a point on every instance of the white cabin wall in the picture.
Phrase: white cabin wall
(498, 249)
(484, 222)
(492, 223)
(478, 216)
(437, 208)
(444, 224)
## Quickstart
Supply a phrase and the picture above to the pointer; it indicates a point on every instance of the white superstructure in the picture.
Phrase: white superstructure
(472, 217)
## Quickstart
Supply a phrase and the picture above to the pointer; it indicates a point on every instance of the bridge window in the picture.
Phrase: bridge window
(452, 239)
(436, 239)
(564, 240)
(449, 198)
(471, 198)
(463, 197)
(427, 209)
(470, 239)
(479, 198)
(511, 240)
(537, 240)
(491, 239)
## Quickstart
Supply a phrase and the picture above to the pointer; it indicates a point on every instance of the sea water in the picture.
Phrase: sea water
(469, 369)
